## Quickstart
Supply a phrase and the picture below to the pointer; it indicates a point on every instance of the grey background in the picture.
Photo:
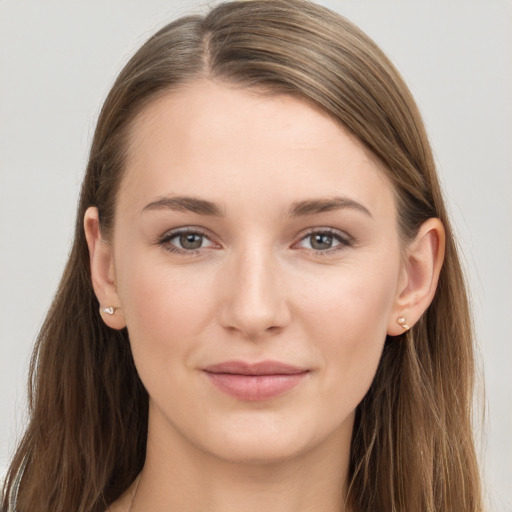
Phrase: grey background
(57, 62)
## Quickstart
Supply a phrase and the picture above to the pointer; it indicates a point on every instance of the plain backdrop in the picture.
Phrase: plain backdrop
(57, 61)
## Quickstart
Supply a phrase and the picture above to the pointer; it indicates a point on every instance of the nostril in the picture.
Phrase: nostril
(253, 301)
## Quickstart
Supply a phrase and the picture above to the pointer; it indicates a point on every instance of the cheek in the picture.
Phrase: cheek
(349, 319)
(165, 309)
(350, 301)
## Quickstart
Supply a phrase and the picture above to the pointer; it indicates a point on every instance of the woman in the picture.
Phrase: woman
(264, 306)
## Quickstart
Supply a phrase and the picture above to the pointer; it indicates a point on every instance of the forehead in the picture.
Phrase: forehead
(231, 143)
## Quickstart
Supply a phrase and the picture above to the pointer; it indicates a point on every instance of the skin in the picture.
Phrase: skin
(258, 288)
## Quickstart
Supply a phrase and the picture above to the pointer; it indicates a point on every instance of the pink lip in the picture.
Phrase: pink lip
(254, 382)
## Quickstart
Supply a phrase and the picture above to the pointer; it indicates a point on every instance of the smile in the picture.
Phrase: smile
(254, 382)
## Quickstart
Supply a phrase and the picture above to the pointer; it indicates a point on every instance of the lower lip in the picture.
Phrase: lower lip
(255, 387)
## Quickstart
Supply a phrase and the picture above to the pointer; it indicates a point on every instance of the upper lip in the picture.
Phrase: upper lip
(260, 368)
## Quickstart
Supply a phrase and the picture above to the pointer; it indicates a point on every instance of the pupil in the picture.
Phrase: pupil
(191, 241)
(321, 241)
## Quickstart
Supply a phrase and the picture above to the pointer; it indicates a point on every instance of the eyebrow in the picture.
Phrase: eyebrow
(315, 206)
(298, 209)
(185, 204)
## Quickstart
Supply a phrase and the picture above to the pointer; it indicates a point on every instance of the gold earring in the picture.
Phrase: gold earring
(402, 321)
(109, 311)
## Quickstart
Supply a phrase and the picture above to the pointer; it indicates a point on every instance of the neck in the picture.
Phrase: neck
(179, 476)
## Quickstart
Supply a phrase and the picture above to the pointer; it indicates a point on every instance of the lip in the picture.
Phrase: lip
(254, 381)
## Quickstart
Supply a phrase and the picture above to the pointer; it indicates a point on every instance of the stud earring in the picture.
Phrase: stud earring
(109, 311)
(402, 321)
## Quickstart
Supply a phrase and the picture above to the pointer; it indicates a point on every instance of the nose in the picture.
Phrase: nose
(255, 302)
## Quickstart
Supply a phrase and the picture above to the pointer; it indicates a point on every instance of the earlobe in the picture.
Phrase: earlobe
(423, 263)
(102, 271)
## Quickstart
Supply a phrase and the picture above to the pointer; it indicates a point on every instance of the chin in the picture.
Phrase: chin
(266, 442)
(259, 452)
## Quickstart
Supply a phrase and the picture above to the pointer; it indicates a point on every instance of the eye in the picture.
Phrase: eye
(321, 241)
(185, 241)
(325, 240)
(190, 241)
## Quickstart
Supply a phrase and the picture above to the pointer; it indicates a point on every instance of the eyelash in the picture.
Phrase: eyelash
(165, 240)
(345, 241)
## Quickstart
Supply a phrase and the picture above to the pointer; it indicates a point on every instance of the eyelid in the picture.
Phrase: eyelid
(343, 237)
(345, 240)
(164, 239)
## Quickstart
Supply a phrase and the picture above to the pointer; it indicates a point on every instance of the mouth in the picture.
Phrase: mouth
(254, 382)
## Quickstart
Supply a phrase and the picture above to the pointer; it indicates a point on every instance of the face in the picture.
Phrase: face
(257, 264)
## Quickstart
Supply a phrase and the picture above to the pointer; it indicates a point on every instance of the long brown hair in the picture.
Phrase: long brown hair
(412, 446)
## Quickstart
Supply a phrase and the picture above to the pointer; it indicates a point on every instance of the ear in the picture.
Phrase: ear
(102, 270)
(422, 266)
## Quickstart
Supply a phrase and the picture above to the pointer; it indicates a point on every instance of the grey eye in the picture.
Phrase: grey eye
(190, 241)
(185, 241)
(321, 241)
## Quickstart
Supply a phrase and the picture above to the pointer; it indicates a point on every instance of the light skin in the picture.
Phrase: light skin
(254, 228)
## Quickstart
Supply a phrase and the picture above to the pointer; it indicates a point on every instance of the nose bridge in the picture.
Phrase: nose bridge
(255, 301)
